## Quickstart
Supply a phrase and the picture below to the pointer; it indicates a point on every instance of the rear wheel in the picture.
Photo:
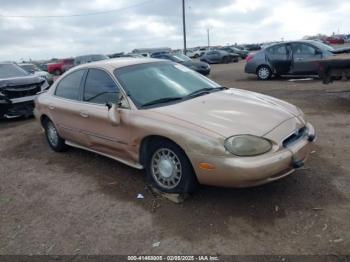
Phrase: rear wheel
(53, 138)
(264, 72)
(169, 169)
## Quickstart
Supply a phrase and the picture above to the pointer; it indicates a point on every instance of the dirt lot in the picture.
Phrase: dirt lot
(81, 203)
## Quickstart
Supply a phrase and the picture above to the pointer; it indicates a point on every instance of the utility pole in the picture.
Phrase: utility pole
(184, 24)
(208, 36)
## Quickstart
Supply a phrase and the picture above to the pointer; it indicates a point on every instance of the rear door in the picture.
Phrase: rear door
(279, 57)
(304, 58)
(65, 108)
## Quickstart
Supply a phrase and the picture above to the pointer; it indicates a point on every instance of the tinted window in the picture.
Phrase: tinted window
(277, 50)
(68, 87)
(303, 49)
(99, 87)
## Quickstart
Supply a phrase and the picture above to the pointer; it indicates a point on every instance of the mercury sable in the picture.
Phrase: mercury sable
(178, 125)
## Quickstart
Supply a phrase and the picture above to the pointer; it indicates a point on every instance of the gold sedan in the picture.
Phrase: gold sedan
(178, 125)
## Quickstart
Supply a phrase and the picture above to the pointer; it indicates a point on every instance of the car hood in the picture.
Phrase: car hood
(232, 112)
(195, 64)
(20, 81)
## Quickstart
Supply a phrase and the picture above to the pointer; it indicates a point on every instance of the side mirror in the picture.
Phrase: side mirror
(114, 111)
(113, 114)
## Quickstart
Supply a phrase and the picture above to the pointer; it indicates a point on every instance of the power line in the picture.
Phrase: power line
(76, 15)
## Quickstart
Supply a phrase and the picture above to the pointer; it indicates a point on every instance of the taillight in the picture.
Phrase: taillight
(249, 57)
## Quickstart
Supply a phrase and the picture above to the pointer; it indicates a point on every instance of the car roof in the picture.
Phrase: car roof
(291, 42)
(115, 63)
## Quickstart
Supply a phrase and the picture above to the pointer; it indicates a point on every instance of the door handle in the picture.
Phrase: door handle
(84, 114)
(51, 107)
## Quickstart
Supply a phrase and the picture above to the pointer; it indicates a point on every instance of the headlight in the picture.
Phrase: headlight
(247, 145)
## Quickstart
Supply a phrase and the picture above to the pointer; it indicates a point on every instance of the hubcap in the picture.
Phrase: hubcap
(52, 134)
(166, 168)
(264, 73)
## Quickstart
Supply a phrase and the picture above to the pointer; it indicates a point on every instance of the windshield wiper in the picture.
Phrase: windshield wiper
(205, 91)
(161, 101)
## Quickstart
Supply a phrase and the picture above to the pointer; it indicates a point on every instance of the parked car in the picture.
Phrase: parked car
(252, 47)
(193, 53)
(88, 59)
(233, 50)
(219, 56)
(288, 58)
(200, 67)
(18, 90)
(59, 67)
(335, 41)
(181, 127)
(33, 69)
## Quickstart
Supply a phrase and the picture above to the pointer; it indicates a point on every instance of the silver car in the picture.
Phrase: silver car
(287, 58)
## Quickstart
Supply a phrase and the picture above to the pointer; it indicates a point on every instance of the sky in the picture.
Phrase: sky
(157, 23)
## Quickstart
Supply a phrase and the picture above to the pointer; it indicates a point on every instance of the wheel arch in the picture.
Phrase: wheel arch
(43, 119)
(146, 141)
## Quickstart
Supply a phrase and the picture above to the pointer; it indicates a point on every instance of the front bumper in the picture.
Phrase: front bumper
(17, 107)
(233, 171)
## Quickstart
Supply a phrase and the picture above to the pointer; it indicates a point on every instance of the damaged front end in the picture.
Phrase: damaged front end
(17, 96)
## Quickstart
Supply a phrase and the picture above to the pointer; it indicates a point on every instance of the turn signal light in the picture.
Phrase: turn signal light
(206, 166)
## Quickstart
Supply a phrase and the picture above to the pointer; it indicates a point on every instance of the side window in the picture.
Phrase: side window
(303, 49)
(69, 86)
(277, 50)
(99, 87)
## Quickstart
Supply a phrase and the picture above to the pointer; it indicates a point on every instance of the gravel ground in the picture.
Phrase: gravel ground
(81, 203)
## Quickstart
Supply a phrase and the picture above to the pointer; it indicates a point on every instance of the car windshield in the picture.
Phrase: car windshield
(29, 68)
(182, 58)
(161, 81)
(323, 46)
(11, 70)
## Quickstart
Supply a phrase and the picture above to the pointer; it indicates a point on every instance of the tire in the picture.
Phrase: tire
(54, 140)
(169, 169)
(263, 72)
(196, 55)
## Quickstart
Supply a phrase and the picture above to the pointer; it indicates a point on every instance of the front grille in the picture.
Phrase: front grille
(295, 136)
(22, 91)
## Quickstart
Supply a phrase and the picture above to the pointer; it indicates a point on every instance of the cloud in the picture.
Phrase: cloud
(157, 23)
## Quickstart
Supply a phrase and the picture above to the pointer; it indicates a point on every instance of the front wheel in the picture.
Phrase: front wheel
(264, 73)
(53, 138)
(169, 169)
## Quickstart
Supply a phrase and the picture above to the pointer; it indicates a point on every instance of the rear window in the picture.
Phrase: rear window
(69, 86)
(277, 50)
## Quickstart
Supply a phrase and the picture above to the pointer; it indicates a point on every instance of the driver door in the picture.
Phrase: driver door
(100, 89)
